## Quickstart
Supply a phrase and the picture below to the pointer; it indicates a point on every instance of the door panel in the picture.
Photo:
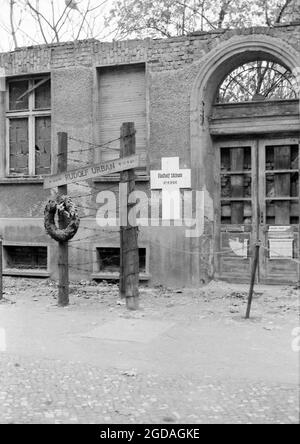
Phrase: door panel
(237, 214)
(259, 200)
(279, 205)
(234, 262)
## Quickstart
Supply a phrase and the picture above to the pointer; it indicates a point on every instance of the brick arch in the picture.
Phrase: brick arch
(212, 70)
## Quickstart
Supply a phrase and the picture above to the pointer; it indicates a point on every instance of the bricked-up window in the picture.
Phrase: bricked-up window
(29, 126)
(122, 98)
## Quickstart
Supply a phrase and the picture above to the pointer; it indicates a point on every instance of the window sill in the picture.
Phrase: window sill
(26, 273)
(21, 180)
(116, 276)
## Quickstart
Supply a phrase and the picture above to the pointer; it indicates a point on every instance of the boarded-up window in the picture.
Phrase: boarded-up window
(282, 184)
(43, 95)
(122, 98)
(236, 186)
(29, 126)
(18, 144)
(42, 145)
(17, 89)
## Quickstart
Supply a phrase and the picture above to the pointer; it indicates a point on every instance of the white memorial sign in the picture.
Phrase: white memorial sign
(279, 229)
(281, 248)
(171, 179)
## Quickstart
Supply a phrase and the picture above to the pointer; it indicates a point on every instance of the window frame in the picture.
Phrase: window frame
(250, 67)
(30, 114)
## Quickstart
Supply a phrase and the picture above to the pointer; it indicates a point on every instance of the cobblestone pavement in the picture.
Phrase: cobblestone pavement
(46, 391)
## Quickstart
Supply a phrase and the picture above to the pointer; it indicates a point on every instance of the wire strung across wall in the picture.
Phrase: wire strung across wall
(85, 207)
(199, 254)
(91, 144)
(91, 147)
(81, 184)
(85, 270)
(112, 188)
(76, 160)
(83, 263)
(97, 230)
(84, 185)
(195, 253)
(79, 196)
(104, 230)
(94, 145)
(279, 255)
(202, 257)
(79, 248)
(91, 216)
(88, 270)
(83, 239)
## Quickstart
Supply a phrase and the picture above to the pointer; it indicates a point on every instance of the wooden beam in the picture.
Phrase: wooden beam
(129, 252)
(63, 253)
(237, 185)
(282, 183)
(1, 270)
(253, 276)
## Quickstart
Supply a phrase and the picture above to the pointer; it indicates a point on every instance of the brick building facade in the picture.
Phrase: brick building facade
(168, 88)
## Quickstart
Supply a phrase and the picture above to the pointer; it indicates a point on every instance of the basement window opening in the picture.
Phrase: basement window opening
(25, 258)
(108, 260)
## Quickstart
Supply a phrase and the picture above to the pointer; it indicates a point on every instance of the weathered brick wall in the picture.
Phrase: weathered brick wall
(160, 54)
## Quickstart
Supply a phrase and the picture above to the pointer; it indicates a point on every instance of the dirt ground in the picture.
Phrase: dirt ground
(203, 363)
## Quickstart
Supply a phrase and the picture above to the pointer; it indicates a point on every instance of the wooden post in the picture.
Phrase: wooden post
(1, 270)
(129, 252)
(298, 283)
(121, 279)
(253, 275)
(63, 256)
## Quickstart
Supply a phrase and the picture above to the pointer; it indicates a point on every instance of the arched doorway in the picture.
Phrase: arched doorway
(248, 157)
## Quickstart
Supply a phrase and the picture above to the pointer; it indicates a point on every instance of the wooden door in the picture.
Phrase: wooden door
(258, 199)
(236, 209)
(279, 210)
